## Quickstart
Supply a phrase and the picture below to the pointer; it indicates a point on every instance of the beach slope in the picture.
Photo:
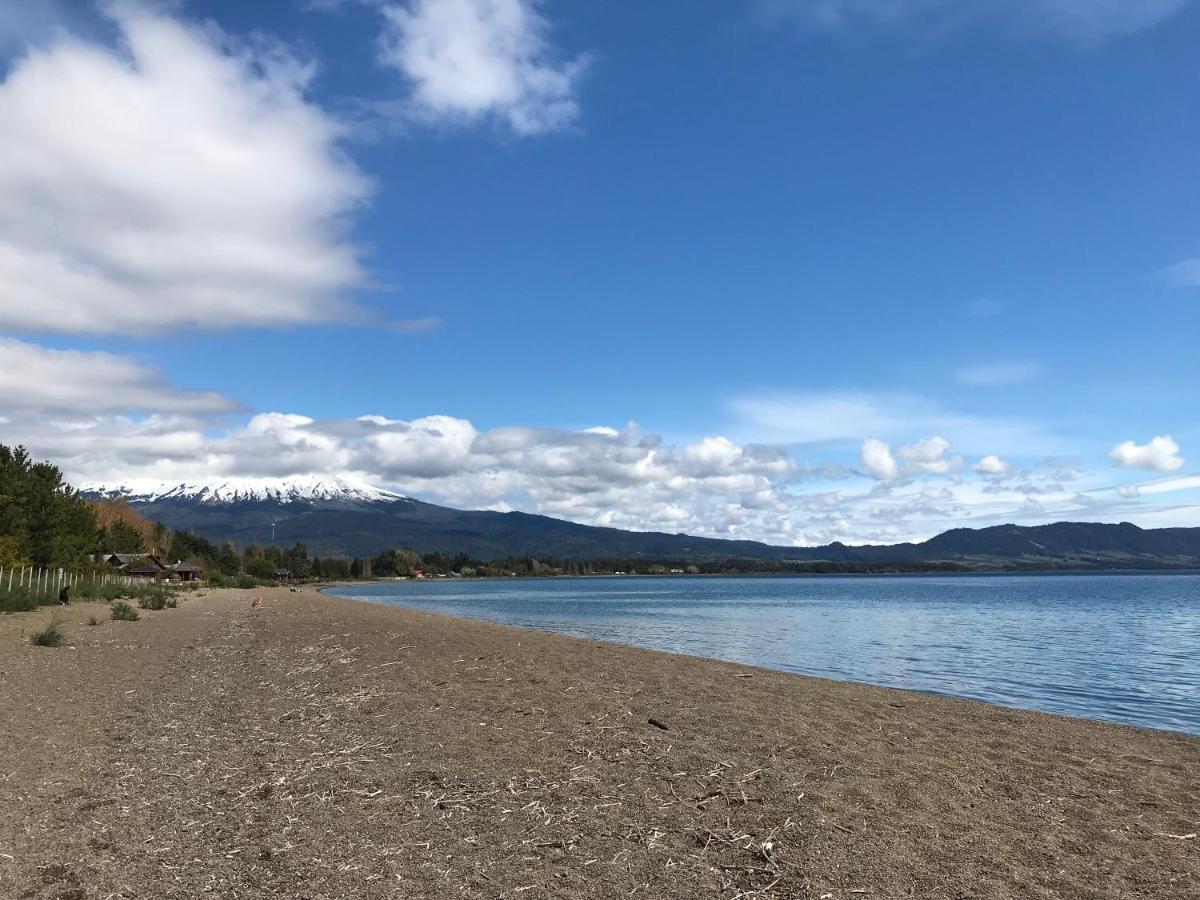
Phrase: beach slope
(317, 747)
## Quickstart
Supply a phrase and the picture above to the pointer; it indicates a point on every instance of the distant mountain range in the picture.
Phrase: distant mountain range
(338, 517)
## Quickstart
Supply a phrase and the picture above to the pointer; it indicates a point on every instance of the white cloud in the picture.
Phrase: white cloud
(993, 465)
(181, 180)
(623, 478)
(924, 457)
(876, 457)
(468, 61)
(1083, 22)
(1160, 455)
(108, 419)
(999, 374)
(424, 448)
(929, 456)
(1170, 486)
(35, 378)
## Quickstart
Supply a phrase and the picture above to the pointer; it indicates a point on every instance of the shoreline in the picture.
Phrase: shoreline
(369, 750)
(398, 601)
(980, 573)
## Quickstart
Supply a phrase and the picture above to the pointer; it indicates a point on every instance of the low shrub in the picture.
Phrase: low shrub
(50, 636)
(19, 600)
(92, 620)
(153, 601)
(123, 612)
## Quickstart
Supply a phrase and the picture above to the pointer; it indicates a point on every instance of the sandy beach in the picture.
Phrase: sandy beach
(321, 748)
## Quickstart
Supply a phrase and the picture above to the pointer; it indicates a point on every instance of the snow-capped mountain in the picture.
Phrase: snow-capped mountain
(342, 517)
(225, 491)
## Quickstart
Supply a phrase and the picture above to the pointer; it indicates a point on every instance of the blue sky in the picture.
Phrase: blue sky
(753, 243)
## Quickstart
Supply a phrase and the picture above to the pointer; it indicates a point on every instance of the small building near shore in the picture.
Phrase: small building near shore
(140, 566)
(282, 575)
(185, 571)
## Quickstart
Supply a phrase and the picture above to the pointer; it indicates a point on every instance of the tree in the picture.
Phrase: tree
(192, 547)
(228, 560)
(121, 537)
(296, 561)
(42, 519)
(259, 567)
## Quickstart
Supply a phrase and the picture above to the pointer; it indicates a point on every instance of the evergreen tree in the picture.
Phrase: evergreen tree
(121, 537)
(228, 560)
(42, 520)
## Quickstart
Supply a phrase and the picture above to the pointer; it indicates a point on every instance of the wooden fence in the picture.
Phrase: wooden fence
(48, 582)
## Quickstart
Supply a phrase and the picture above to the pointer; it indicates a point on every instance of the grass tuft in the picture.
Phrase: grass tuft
(50, 636)
(123, 612)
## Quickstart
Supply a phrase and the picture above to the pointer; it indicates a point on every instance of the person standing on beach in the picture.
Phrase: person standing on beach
(64, 596)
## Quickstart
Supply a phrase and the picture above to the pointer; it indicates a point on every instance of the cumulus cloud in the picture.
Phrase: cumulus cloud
(876, 457)
(1084, 22)
(993, 465)
(179, 180)
(470, 61)
(35, 378)
(929, 456)
(425, 448)
(1161, 454)
(924, 457)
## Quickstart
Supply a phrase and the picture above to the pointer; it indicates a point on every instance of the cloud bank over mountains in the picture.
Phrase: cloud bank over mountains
(106, 419)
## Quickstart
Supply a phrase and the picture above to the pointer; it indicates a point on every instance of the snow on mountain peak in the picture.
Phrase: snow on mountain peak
(300, 488)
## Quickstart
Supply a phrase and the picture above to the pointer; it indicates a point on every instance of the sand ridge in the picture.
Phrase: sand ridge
(319, 748)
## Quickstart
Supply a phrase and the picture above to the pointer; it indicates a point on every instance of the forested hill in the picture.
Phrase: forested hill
(336, 518)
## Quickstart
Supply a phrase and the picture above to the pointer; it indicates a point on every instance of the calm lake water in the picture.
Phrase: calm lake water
(1125, 648)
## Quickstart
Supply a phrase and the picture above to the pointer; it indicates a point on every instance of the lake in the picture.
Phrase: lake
(1125, 648)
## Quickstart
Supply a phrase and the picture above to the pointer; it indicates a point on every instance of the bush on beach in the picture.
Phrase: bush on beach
(159, 598)
(50, 636)
(123, 612)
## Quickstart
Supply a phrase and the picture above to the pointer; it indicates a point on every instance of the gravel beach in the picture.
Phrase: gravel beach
(316, 747)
